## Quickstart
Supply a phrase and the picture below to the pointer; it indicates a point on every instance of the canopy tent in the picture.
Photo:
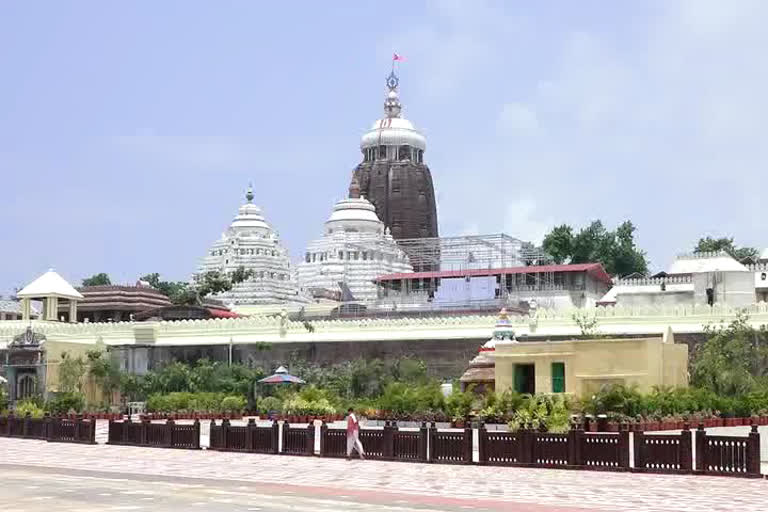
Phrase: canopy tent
(281, 376)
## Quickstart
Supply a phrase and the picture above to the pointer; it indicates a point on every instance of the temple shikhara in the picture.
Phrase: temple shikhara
(393, 175)
(250, 242)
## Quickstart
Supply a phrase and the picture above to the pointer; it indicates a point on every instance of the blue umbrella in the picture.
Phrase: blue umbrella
(280, 376)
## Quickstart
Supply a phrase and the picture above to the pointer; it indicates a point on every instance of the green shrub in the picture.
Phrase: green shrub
(29, 406)
(299, 405)
(547, 413)
(233, 404)
(65, 403)
(400, 398)
(458, 405)
(270, 404)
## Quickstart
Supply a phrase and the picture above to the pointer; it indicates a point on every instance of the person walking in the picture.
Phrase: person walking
(353, 435)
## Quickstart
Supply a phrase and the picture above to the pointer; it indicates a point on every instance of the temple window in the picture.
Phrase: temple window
(341, 255)
(382, 152)
(306, 258)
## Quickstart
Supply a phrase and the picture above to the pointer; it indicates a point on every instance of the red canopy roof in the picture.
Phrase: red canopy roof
(594, 269)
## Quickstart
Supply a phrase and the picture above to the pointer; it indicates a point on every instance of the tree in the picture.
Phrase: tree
(207, 283)
(559, 243)
(101, 279)
(724, 244)
(733, 360)
(104, 371)
(176, 291)
(616, 250)
(71, 373)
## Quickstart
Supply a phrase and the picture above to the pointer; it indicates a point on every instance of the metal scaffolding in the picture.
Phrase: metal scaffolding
(472, 252)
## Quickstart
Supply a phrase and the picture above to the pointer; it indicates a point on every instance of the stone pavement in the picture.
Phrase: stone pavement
(469, 487)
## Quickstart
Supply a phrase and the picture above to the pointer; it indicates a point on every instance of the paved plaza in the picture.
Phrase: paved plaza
(123, 478)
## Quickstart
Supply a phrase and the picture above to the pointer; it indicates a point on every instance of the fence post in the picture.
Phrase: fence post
(25, 427)
(623, 446)
(124, 430)
(432, 439)
(250, 435)
(275, 436)
(197, 434)
(143, 433)
(467, 443)
(388, 440)
(225, 434)
(701, 448)
(310, 448)
(78, 425)
(639, 442)
(686, 448)
(481, 439)
(323, 438)
(92, 435)
(526, 444)
(572, 442)
(423, 442)
(46, 425)
(169, 428)
(753, 451)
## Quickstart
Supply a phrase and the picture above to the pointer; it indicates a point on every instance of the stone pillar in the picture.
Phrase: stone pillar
(2, 315)
(72, 311)
(25, 309)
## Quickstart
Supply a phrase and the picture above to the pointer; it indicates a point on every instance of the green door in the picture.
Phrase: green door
(525, 378)
(558, 377)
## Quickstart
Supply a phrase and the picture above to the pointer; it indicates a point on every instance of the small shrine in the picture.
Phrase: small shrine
(482, 369)
(24, 365)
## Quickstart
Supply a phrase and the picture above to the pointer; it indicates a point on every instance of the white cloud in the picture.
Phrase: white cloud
(518, 120)
(523, 221)
(217, 154)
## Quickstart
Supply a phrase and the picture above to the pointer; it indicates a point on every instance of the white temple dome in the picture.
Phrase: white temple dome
(354, 214)
(393, 130)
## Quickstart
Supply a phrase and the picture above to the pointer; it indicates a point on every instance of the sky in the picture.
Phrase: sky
(129, 131)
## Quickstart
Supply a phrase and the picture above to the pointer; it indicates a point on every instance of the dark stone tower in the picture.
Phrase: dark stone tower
(393, 175)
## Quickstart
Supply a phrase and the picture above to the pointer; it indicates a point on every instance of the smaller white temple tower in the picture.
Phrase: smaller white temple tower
(355, 249)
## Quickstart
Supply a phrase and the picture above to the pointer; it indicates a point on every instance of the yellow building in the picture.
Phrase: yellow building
(582, 367)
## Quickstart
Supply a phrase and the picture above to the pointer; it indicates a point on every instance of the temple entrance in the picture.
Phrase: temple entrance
(22, 364)
(26, 386)
(525, 378)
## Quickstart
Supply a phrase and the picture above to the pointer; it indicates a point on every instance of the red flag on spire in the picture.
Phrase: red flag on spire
(397, 57)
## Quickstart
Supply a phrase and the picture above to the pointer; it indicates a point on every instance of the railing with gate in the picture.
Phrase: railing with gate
(388, 443)
(158, 435)
(656, 453)
(249, 438)
(48, 428)
(726, 455)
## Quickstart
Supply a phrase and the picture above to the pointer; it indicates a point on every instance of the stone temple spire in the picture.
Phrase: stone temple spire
(392, 106)
(354, 188)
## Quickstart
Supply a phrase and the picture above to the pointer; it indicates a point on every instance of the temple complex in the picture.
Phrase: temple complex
(393, 175)
(355, 249)
(251, 243)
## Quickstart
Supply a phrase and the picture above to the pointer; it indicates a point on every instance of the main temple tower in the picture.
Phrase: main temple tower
(393, 175)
